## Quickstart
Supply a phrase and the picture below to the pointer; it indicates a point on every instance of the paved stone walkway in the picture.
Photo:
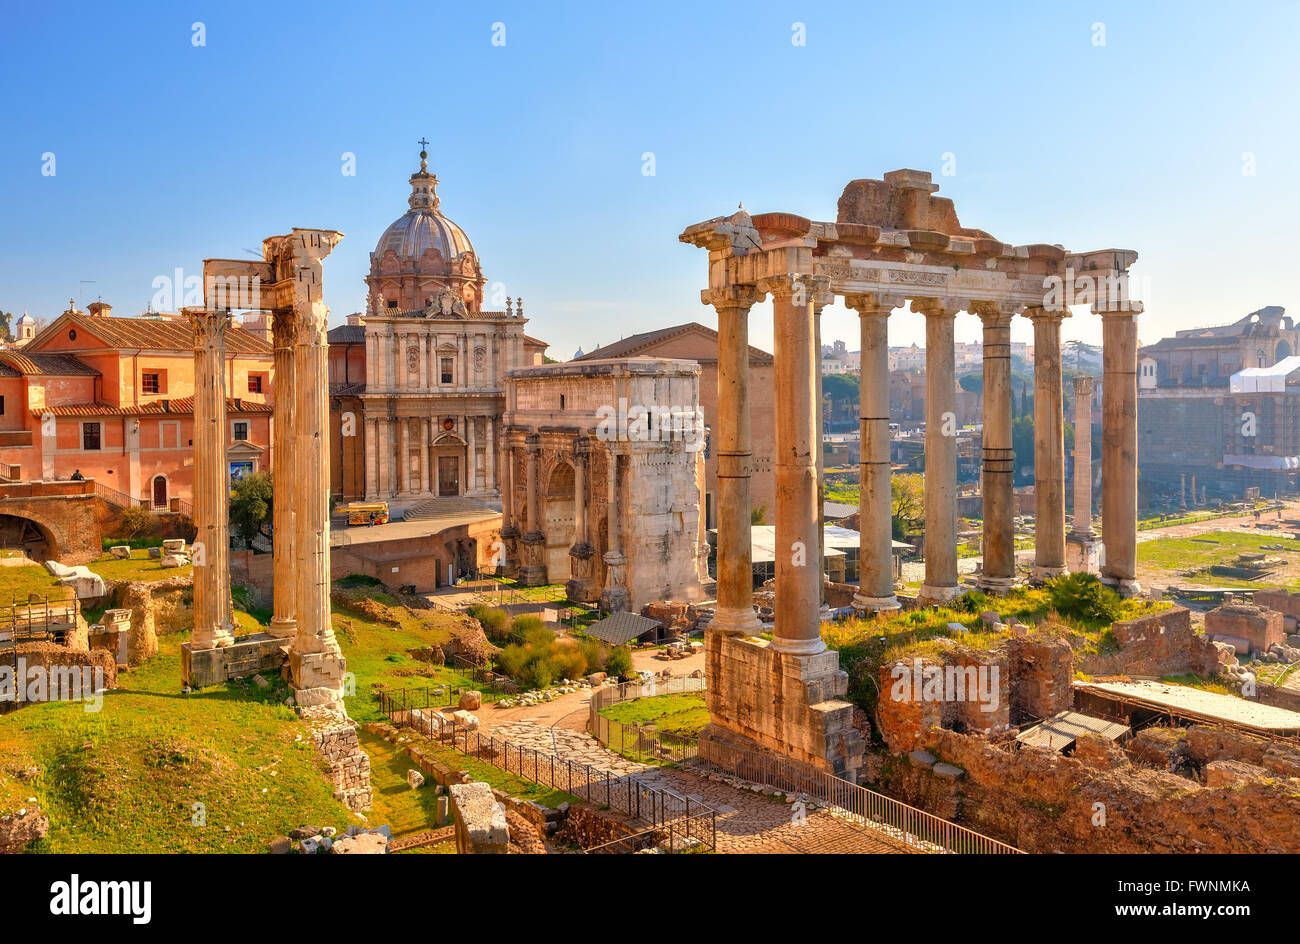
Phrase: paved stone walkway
(747, 821)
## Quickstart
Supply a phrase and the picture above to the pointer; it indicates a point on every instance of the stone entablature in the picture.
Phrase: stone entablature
(578, 441)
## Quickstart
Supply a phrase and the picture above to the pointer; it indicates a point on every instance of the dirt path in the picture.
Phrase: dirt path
(570, 711)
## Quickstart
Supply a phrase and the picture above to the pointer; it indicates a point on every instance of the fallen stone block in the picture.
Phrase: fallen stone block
(280, 845)
(466, 720)
(471, 700)
(922, 759)
(414, 779)
(480, 820)
(362, 844)
(121, 552)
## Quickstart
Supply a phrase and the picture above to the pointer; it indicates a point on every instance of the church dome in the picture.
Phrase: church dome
(422, 226)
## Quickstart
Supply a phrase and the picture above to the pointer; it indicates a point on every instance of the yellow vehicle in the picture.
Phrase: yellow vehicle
(367, 513)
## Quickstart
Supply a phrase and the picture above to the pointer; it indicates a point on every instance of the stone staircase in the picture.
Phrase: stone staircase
(436, 507)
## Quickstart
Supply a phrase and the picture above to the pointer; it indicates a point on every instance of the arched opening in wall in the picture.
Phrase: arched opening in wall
(27, 537)
(1283, 350)
(160, 491)
(558, 510)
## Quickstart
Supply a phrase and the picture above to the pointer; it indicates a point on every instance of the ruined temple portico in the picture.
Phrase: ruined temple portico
(893, 242)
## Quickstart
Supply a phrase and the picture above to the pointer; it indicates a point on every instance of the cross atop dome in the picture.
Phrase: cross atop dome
(424, 193)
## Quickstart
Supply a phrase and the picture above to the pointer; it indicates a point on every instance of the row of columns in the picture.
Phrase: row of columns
(387, 353)
(797, 301)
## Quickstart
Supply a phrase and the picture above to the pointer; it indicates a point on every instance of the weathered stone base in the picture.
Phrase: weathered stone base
(283, 629)
(615, 600)
(532, 576)
(999, 586)
(317, 677)
(1123, 586)
(581, 590)
(1082, 555)
(1044, 574)
(929, 595)
(790, 705)
(260, 652)
(875, 604)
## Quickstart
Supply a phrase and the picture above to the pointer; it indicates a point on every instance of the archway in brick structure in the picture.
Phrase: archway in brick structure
(558, 514)
(28, 536)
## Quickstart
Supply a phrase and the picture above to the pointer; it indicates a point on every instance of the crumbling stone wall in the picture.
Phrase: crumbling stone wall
(1042, 674)
(46, 655)
(157, 607)
(335, 738)
(1043, 802)
(1245, 626)
(1162, 643)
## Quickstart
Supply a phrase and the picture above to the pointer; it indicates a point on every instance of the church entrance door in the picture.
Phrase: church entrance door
(448, 475)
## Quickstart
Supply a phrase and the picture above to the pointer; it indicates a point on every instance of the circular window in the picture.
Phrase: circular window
(72, 334)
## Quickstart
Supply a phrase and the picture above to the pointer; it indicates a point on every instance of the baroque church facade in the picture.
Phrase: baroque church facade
(418, 384)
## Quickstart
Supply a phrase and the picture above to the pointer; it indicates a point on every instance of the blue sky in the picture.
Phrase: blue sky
(167, 152)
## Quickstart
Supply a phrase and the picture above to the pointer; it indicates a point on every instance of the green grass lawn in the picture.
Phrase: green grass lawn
(140, 566)
(17, 582)
(681, 714)
(379, 653)
(127, 778)
(1178, 555)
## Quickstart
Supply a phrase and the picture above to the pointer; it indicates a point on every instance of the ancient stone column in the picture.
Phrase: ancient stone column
(509, 560)
(422, 424)
(404, 454)
(875, 509)
(1082, 521)
(998, 572)
(940, 452)
(734, 614)
(581, 587)
(798, 572)
(1119, 444)
(315, 661)
(614, 597)
(533, 573)
(1049, 445)
(284, 337)
(1182, 491)
(213, 618)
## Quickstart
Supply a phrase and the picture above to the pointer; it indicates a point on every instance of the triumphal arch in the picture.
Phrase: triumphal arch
(893, 242)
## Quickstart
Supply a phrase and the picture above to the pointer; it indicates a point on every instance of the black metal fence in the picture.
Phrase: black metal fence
(691, 822)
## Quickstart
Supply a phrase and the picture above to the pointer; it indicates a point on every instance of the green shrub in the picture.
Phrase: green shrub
(972, 601)
(569, 662)
(511, 660)
(494, 621)
(525, 622)
(1083, 597)
(619, 662)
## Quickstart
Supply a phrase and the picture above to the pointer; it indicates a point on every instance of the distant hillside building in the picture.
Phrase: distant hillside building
(1221, 406)
(1209, 356)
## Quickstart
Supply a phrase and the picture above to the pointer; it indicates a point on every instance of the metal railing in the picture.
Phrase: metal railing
(633, 740)
(907, 825)
(38, 621)
(120, 499)
(659, 808)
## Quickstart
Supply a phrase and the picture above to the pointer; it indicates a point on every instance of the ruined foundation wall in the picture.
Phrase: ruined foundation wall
(1042, 802)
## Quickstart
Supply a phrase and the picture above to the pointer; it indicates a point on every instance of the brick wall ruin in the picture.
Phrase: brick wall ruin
(336, 741)
(1043, 802)
(1162, 643)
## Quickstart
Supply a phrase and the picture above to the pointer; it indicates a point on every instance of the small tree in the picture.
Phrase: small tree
(907, 499)
(250, 506)
(135, 522)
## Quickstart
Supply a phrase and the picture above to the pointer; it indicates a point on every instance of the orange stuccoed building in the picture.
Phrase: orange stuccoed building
(113, 399)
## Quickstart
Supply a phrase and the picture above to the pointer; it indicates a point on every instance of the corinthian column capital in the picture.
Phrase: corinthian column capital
(800, 287)
(874, 303)
(210, 327)
(742, 297)
(995, 314)
(1039, 313)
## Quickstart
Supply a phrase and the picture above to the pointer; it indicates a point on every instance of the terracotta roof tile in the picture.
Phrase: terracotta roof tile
(181, 406)
(636, 344)
(38, 364)
(162, 334)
